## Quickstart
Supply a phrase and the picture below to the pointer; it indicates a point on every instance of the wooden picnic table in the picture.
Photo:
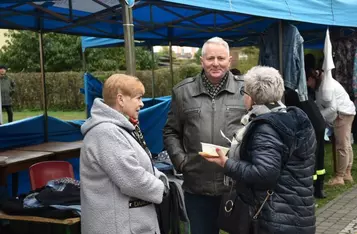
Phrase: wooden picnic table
(23, 157)
(61, 150)
(18, 160)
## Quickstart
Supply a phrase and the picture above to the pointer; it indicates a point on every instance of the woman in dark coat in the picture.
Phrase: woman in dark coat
(273, 151)
(318, 122)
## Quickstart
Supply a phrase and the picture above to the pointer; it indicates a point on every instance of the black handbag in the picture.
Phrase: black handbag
(234, 214)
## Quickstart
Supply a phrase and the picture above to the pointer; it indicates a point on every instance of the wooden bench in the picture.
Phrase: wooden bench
(66, 222)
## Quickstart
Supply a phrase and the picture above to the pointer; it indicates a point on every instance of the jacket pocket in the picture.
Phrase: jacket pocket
(233, 115)
(191, 111)
(143, 219)
(191, 130)
(234, 109)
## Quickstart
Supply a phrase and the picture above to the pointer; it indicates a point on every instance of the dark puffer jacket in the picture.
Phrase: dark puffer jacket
(277, 153)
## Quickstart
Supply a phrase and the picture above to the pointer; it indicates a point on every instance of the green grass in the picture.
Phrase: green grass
(64, 115)
(331, 192)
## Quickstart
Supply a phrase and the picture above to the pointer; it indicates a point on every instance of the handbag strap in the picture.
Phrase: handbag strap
(269, 193)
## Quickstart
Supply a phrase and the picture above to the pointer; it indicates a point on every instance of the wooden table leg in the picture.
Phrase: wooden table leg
(15, 183)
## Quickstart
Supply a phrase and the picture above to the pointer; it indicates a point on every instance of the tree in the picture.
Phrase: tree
(198, 56)
(253, 55)
(105, 59)
(144, 59)
(21, 51)
(250, 50)
(63, 53)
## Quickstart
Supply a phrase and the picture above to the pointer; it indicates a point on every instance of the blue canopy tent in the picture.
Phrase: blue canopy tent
(171, 21)
(174, 21)
(101, 19)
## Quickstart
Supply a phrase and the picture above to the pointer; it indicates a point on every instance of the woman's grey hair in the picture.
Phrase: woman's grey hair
(217, 41)
(264, 85)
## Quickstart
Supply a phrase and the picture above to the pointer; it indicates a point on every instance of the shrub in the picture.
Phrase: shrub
(63, 88)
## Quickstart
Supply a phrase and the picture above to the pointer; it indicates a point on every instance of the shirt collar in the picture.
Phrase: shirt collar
(212, 89)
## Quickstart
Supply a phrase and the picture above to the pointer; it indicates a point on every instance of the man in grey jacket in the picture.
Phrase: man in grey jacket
(201, 107)
(7, 89)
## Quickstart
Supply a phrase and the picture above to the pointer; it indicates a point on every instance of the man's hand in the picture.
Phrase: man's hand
(220, 160)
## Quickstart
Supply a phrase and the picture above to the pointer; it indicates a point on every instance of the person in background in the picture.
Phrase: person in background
(339, 112)
(201, 107)
(7, 90)
(275, 155)
(318, 122)
(119, 184)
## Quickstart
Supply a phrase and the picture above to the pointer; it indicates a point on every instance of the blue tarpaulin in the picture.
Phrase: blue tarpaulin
(152, 117)
(30, 131)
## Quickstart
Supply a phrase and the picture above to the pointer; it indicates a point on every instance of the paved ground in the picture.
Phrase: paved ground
(339, 216)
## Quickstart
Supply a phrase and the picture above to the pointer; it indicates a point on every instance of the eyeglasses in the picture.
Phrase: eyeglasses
(242, 92)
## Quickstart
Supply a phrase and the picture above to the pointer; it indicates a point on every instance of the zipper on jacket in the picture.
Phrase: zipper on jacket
(212, 138)
(213, 112)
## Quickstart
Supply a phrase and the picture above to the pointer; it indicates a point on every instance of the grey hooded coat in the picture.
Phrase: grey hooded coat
(115, 169)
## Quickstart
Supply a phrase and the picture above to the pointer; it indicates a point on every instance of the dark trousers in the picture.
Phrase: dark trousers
(319, 164)
(9, 113)
(203, 213)
(320, 151)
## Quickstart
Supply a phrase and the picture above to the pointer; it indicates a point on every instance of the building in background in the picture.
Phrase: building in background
(184, 52)
(180, 52)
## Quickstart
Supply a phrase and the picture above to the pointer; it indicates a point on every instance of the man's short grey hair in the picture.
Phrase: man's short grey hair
(217, 41)
(264, 85)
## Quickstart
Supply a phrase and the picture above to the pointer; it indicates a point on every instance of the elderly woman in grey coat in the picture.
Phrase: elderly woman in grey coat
(119, 185)
(272, 158)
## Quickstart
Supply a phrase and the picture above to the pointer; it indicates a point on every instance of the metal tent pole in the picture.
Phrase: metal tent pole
(171, 65)
(84, 62)
(128, 26)
(44, 91)
(281, 47)
(281, 67)
(0, 107)
(153, 71)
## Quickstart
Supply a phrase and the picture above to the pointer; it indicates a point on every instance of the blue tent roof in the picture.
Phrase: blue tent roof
(313, 40)
(174, 20)
(190, 23)
(328, 12)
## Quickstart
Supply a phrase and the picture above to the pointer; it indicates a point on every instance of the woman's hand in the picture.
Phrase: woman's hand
(220, 160)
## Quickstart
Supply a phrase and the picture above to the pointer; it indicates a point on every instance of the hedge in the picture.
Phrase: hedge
(63, 87)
